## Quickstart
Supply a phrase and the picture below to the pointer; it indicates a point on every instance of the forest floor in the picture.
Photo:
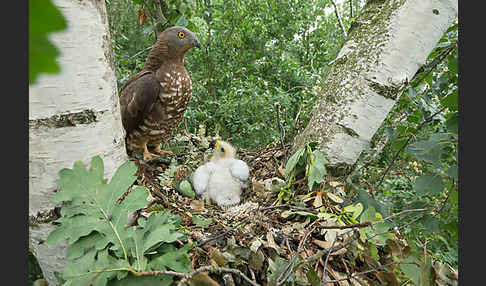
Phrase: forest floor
(279, 234)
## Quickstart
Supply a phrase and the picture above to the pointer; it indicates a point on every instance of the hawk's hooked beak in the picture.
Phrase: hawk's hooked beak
(197, 44)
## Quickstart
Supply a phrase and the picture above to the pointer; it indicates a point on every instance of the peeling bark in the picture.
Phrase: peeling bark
(385, 47)
(73, 115)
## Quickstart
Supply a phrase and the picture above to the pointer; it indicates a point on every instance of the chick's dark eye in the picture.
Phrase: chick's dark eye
(222, 149)
(181, 35)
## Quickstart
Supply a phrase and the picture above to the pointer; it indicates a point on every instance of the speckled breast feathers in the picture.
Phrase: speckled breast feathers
(153, 101)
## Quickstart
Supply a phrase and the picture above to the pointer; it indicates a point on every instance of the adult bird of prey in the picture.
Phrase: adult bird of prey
(222, 179)
(153, 101)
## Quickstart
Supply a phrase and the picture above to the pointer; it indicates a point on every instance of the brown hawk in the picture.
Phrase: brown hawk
(153, 101)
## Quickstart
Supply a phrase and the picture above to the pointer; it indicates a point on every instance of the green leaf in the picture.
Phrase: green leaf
(92, 204)
(317, 171)
(430, 223)
(452, 123)
(452, 172)
(44, 18)
(201, 221)
(275, 269)
(173, 259)
(94, 268)
(164, 233)
(83, 245)
(412, 271)
(378, 233)
(367, 201)
(415, 117)
(412, 93)
(451, 101)
(185, 189)
(306, 214)
(292, 162)
(398, 143)
(368, 214)
(355, 209)
(452, 63)
(312, 277)
(430, 149)
(432, 184)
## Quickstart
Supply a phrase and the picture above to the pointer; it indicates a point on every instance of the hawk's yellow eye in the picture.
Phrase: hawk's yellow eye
(181, 35)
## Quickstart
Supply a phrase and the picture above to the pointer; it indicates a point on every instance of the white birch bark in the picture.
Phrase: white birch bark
(389, 42)
(85, 85)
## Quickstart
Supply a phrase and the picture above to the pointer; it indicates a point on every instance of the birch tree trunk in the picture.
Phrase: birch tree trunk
(385, 47)
(73, 115)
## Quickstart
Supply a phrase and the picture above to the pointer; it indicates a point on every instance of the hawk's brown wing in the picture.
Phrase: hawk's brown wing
(137, 99)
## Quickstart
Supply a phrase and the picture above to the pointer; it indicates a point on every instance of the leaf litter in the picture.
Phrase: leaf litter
(267, 237)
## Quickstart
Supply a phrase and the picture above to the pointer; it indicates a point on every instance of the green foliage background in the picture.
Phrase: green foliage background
(254, 53)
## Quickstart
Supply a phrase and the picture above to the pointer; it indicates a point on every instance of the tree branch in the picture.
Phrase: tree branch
(422, 124)
(353, 275)
(350, 8)
(216, 270)
(280, 127)
(339, 18)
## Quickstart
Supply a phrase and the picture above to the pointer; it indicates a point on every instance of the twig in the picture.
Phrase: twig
(323, 252)
(201, 243)
(339, 18)
(280, 127)
(363, 224)
(296, 120)
(294, 257)
(399, 213)
(436, 61)
(216, 270)
(324, 281)
(350, 8)
(353, 276)
(422, 124)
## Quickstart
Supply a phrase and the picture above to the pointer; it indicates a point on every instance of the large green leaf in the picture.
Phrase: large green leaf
(317, 170)
(90, 215)
(430, 223)
(430, 149)
(44, 18)
(293, 160)
(412, 271)
(431, 184)
(91, 203)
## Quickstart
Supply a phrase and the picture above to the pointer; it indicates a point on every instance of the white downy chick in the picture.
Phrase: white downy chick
(222, 179)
